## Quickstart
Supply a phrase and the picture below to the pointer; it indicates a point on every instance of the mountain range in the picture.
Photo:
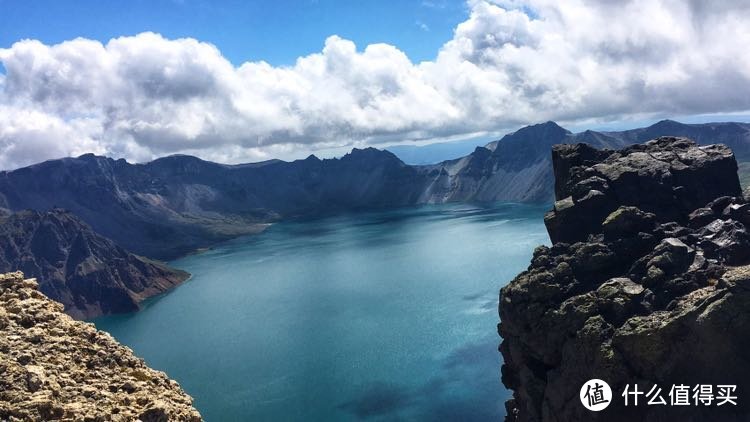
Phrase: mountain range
(178, 204)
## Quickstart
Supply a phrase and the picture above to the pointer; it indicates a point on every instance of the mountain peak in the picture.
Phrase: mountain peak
(366, 150)
(666, 123)
(89, 156)
(179, 157)
(541, 135)
(183, 163)
(92, 158)
(370, 153)
(547, 129)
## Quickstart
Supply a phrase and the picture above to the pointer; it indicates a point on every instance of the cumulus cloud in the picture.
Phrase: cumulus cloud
(510, 63)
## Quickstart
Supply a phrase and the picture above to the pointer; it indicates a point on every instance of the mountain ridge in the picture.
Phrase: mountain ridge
(177, 204)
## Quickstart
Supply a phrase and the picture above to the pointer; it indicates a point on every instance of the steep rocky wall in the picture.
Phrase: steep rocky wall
(55, 368)
(88, 273)
(649, 287)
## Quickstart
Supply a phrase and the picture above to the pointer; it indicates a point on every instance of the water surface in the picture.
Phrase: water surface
(383, 316)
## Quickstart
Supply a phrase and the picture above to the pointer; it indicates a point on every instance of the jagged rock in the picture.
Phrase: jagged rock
(84, 271)
(669, 177)
(727, 240)
(620, 298)
(654, 288)
(627, 221)
(55, 368)
(719, 204)
(701, 217)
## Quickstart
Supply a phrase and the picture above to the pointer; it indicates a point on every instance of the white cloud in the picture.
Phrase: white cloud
(510, 63)
(28, 136)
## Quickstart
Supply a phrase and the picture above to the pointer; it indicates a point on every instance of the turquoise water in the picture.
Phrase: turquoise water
(382, 316)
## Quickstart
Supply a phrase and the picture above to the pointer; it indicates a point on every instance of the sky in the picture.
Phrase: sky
(273, 31)
(240, 81)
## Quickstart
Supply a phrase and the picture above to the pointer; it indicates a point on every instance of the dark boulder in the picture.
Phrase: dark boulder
(669, 177)
(626, 222)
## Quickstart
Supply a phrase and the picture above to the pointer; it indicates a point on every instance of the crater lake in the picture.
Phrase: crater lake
(387, 315)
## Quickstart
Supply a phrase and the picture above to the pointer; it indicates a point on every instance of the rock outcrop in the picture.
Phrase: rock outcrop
(668, 176)
(646, 283)
(84, 271)
(55, 368)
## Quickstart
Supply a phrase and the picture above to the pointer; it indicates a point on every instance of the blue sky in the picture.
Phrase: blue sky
(275, 31)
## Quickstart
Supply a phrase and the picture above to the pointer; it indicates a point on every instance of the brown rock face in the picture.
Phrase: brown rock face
(651, 286)
(55, 368)
(77, 267)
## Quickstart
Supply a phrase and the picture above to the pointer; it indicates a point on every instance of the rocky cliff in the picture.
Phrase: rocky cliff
(515, 168)
(646, 283)
(84, 271)
(55, 368)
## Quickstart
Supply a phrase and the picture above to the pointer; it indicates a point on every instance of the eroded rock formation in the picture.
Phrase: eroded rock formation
(55, 368)
(646, 283)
